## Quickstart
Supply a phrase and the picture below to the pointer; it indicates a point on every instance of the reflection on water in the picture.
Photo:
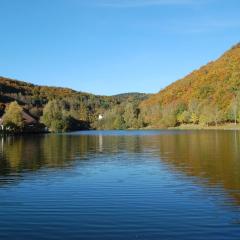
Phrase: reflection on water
(157, 163)
(214, 156)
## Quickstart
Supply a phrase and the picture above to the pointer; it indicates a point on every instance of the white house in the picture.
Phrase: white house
(100, 117)
(1, 124)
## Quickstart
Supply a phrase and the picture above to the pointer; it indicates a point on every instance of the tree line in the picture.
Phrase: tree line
(70, 114)
(197, 112)
(61, 115)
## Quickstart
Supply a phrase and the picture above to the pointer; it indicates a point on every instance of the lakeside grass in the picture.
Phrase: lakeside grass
(228, 126)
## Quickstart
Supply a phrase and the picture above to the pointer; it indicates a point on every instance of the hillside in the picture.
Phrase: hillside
(11, 89)
(214, 86)
(30, 93)
(84, 108)
(125, 96)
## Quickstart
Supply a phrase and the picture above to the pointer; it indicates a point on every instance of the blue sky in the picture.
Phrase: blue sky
(113, 46)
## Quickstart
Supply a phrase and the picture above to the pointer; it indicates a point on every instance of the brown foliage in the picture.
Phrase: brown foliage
(215, 83)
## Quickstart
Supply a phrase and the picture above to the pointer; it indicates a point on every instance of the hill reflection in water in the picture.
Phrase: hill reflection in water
(211, 156)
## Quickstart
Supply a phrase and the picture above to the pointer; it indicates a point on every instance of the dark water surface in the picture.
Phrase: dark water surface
(121, 185)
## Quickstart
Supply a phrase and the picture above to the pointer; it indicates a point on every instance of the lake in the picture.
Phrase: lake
(121, 185)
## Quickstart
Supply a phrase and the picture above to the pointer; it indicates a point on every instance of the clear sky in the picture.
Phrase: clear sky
(113, 46)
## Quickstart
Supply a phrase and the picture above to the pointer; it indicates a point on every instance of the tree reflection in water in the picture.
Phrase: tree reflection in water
(213, 157)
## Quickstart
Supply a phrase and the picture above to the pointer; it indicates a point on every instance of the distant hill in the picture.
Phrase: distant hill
(131, 95)
(27, 92)
(11, 89)
(216, 84)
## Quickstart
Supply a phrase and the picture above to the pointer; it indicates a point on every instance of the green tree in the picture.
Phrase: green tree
(119, 123)
(235, 106)
(54, 117)
(131, 114)
(169, 117)
(217, 115)
(184, 117)
(194, 111)
(13, 117)
(210, 115)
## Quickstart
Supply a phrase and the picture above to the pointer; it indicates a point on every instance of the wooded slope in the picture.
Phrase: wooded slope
(215, 84)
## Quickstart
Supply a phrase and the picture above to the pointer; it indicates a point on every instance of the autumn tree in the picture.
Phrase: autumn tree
(194, 111)
(131, 114)
(13, 116)
(184, 117)
(235, 105)
(169, 117)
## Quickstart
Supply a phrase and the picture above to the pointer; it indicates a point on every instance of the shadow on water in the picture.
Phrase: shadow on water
(210, 156)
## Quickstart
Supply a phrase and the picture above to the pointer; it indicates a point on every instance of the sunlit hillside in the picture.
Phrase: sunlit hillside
(214, 86)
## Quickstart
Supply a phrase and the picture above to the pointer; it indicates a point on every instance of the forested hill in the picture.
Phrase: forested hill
(29, 93)
(207, 95)
(82, 108)
(124, 96)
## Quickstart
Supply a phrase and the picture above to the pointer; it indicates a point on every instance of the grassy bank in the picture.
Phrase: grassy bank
(227, 126)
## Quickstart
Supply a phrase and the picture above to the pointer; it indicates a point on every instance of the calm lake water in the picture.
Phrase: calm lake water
(121, 185)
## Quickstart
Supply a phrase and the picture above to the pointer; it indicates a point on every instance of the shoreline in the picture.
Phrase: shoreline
(225, 127)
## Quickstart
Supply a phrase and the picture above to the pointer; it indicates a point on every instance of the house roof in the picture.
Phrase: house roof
(27, 118)
(1, 113)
